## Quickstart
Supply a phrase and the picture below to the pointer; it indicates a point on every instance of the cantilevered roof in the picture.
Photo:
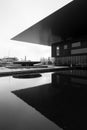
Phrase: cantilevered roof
(68, 22)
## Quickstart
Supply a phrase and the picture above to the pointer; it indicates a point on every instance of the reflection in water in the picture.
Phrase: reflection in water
(63, 101)
(32, 75)
(9, 83)
(16, 114)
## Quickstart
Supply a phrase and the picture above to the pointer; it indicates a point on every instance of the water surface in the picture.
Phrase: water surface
(54, 101)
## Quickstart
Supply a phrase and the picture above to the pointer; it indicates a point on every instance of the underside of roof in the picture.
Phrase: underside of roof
(68, 22)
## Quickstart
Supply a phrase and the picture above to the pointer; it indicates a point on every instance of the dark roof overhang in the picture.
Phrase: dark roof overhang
(68, 22)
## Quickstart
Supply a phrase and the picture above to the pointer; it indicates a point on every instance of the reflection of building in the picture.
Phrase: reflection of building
(63, 101)
(65, 30)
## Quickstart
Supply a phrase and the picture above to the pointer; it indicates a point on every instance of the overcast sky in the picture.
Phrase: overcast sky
(18, 15)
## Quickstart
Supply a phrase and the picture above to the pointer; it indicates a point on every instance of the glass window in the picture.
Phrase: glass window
(76, 44)
(65, 46)
(79, 51)
(57, 50)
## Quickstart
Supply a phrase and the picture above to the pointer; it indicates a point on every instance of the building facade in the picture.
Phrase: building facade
(70, 52)
(65, 31)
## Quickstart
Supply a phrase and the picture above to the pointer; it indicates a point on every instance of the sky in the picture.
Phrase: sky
(18, 15)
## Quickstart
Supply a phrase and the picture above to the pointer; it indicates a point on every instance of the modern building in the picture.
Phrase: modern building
(9, 59)
(65, 31)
